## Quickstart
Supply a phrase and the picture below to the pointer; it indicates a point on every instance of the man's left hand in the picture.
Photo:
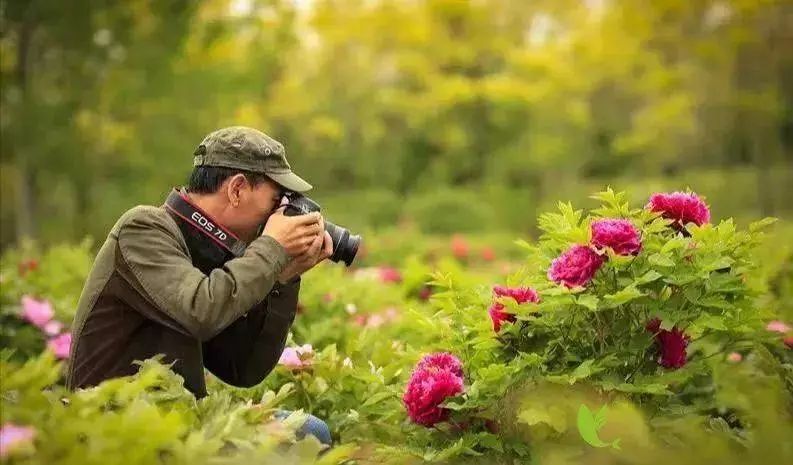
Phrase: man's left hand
(320, 249)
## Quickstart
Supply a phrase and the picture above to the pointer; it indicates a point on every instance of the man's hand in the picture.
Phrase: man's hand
(295, 233)
(320, 249)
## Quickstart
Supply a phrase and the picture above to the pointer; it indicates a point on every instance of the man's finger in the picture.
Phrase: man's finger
(309, 218)
(327, 249)
(315, 246)
(310, 230)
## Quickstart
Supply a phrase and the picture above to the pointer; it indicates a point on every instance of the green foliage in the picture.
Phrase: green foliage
(145, 419)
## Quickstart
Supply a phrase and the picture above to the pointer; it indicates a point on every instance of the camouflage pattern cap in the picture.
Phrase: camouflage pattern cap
(248, 149)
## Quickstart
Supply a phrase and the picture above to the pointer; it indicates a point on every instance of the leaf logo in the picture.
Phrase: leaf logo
(589, 424)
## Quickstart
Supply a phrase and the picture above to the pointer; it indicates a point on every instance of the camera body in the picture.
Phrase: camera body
(345, 245)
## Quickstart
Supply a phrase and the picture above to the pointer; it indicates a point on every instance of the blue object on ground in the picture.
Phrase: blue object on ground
(313, 426)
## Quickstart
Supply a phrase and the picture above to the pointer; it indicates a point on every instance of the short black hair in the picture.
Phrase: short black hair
(208, 179)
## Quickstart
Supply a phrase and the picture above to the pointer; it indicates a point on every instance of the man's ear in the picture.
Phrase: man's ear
(234, 188)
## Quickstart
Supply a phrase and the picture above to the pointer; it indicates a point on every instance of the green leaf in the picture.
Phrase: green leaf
(550, 415)
(655, 389)
(673, 244)
(624, 296)
(658, 259)
(588, 300)
(761, 224)
(710, 321)
(584, 370)
(714, 301)
(718, 264)
(648, 277)
(377, 397)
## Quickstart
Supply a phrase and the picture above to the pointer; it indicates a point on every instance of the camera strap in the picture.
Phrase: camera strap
(179, 204)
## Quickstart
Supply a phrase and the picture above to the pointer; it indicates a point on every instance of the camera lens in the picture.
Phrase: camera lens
(345, 245)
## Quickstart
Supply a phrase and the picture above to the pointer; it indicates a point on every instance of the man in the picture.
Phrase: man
(195, 279)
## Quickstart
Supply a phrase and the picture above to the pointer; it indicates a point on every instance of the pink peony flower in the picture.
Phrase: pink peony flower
(459, 247)
(290, 358)
(296, 357)
(575, 267)
(390, 275)
(682, 207)
(375, 320)
(36, 312)
(391, 314)
(619, 235)
(13, 436)
(52, 328)
(734, 357)
(672, 344)
(441, 361)
(778, 327)
(305, 349)
(498, 316)
(424, 393)
(60, 345)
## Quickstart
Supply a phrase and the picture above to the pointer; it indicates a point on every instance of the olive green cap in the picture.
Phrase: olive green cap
(248, 149)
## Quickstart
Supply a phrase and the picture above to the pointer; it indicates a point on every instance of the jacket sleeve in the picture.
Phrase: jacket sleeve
(203, 304)
(245, 352)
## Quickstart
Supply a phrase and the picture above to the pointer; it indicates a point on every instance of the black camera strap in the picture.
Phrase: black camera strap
(179, 204)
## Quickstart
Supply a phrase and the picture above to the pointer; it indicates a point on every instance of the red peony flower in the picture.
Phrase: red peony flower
(27, 265)
(672, 344)
(617, 234)
(499, 316)
(425, 293)
(682, 207)
(788, 342)
(519, 294)
(575, 267)
(441, 361)
(488, 254)
(426, 390)
(459, 247)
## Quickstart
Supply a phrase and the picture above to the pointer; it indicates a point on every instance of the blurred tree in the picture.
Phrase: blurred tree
(103, 103)
(57, 55)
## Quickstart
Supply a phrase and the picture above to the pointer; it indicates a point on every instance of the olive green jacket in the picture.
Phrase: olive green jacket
(144, 297)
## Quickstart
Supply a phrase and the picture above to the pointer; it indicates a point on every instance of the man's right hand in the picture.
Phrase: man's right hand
(294, 233)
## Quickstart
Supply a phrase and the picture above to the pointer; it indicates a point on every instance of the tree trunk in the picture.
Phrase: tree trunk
(26, 173)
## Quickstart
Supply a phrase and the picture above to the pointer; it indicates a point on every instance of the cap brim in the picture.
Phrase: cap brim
(291, 181)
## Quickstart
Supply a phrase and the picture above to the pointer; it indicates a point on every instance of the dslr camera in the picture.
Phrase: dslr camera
(345, 245)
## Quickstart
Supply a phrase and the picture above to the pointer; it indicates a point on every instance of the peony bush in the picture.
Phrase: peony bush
(681, 325)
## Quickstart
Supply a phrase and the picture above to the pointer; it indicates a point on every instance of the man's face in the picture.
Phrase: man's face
(251, 205)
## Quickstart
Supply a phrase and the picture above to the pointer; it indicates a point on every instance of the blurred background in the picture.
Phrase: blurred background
(444, 116)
